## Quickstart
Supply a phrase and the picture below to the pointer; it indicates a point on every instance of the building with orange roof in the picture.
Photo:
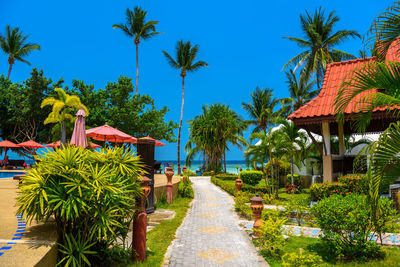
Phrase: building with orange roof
(318, 116)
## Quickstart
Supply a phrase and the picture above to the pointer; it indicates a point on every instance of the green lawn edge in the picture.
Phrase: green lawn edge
(159, 238)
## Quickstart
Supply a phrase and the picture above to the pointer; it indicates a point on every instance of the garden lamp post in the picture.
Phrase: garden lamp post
(238, 183)
(256, 207)
(140, 224)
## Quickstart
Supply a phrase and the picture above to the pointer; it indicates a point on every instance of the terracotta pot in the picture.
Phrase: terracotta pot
(256, 207)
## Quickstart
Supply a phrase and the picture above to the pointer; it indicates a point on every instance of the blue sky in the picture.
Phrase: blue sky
(241, 41)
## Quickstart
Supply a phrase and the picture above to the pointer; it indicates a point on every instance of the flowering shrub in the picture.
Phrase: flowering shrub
(344, 186)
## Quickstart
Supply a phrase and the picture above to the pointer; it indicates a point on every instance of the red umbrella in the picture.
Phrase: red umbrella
(93, 145)
(79, 134)
(31, 144)
(108, 133)
(7, 144)
(157, 143)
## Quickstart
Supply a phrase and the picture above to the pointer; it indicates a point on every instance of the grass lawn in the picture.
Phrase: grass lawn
(162, 235)
(312, 244)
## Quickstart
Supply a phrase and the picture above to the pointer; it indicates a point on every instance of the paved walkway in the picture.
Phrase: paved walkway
(210, 234)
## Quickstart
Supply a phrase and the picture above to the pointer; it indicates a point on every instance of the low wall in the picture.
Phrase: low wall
(160, 190)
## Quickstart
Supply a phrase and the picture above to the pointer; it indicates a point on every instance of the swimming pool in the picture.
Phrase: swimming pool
(4, 174)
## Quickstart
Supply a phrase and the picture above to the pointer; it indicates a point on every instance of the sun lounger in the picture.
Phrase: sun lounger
(157, 167)
(15, 163)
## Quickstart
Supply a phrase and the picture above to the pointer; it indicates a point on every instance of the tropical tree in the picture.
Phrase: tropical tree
(296, 143)
(62, 107)
(319, 42)
(210, 134)
(300, 89)
(137, 28)
(14, 44)
(261, 110)
(185, 61)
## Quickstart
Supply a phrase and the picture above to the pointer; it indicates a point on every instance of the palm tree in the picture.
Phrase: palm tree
(185, 61)
(261, 110)
(319, 42)
(137, 28)
(14, 45)
(210, 134)
(300, 89)
(296, 143)
(63, 106)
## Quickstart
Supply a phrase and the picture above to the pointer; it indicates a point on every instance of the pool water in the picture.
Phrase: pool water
(4, 174)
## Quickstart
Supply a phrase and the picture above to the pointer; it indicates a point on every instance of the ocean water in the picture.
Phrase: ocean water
(230, 165)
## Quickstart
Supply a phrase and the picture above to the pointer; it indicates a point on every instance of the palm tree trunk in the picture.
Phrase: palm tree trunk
(180, 125)
(9, 71)
(225, 161)
(137, 69)
(63, 133)
(291, 172)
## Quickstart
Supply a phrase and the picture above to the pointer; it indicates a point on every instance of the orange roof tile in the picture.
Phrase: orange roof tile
(336, 73)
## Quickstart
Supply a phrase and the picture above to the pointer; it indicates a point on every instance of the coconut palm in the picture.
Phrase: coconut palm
(320, 40)
(185, 61)
(296, 143)
(14, 44)
(62, 107)
(211, 132)
(300, 89)
(261, 110)
(137, 28)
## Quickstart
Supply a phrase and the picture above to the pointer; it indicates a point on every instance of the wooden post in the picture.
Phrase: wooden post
(327, 157)
(145, 149)
(257, 206)
(341, 138)
(139, 227)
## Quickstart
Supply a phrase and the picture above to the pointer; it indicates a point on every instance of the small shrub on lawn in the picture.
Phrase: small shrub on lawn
(188, 173)
(185, 189)
(206, 174)
(346, 225)
(297, 208)
(241, 205)
(301, 259)
(251, 177)
(271, 238)
(225, 185)
(348, 184)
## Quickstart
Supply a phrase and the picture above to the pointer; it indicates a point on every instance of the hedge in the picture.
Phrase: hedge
(251, 177)
(230, 187)
(348, 184)
(226, 176)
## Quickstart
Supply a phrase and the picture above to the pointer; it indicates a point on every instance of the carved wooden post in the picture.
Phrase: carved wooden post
(238, 184)
(169, 173)
(184, 169)
(256, 206)
(140, 224)
(212, 173)
(185, 178)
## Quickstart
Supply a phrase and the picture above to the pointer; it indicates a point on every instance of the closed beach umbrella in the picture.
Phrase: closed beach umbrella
(7, 144)
(79, 134)
(110, 134)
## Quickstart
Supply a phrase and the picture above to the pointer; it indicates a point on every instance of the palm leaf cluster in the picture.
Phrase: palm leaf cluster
(319, 42)
(90, 195)
(15, 45)
(212, 132)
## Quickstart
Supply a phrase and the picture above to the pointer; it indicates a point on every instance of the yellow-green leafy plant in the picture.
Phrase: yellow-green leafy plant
(301, 259)
(91, 196)
(271, 239)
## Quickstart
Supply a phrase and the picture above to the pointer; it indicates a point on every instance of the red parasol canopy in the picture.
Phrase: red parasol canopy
(31, 144)
(158, 143)
(93, 145)
(108, 133)
(8, 144)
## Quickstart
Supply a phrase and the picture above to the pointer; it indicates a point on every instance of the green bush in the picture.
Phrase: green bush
(225, 185)
(301, 259)
(188, 173)
(346, 185)
(91, 196)
(226, 176)
(346, 226)
(251, 177)
(242, 206)
(206, 174)
(271, 238)
(185, 189)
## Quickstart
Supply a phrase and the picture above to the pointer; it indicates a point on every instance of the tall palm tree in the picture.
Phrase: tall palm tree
(261, 110)
(319, 42)
(137, 28)
(62, 107)
(185, 61)
(14, 45)
(300, 89)
(296, 143)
